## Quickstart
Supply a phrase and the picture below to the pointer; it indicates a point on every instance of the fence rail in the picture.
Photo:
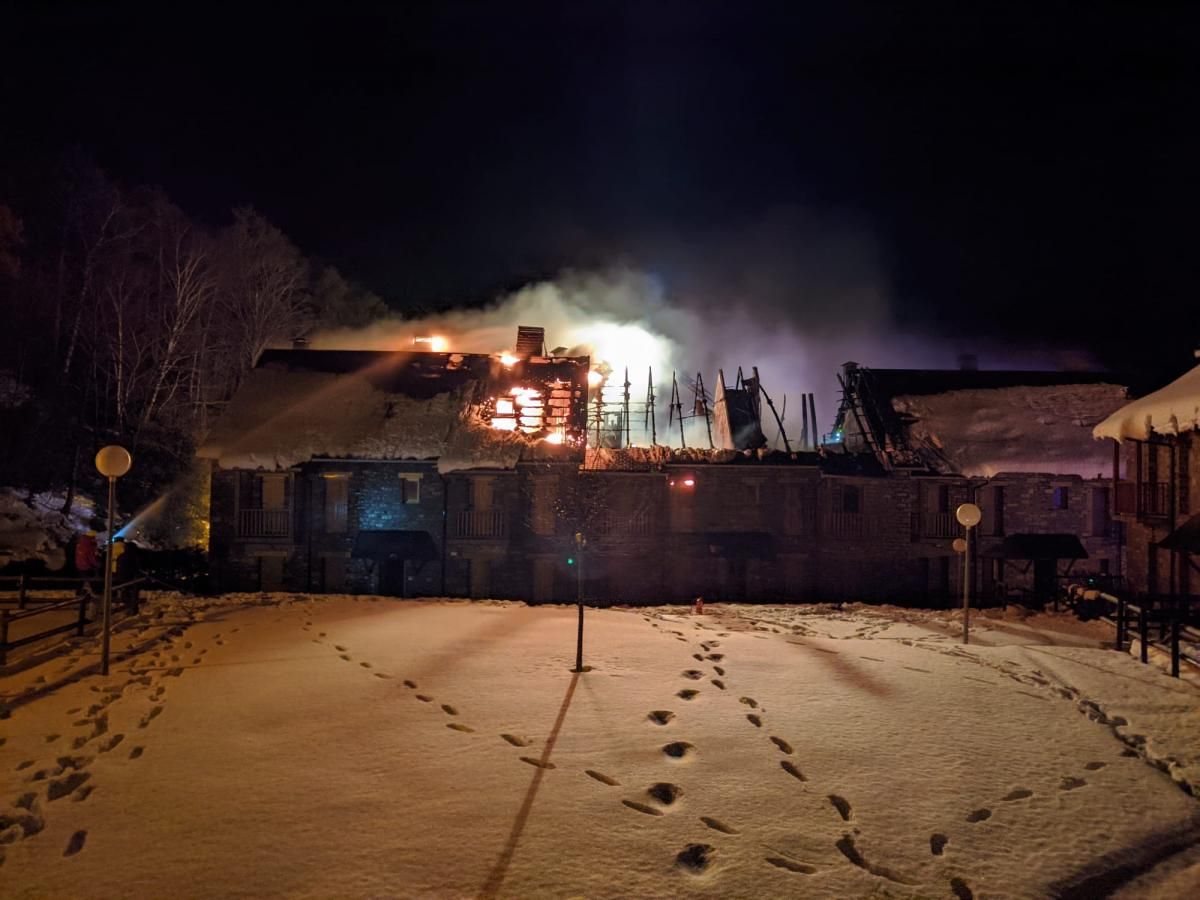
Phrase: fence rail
(30, 608)
(1177, 619)
(844, 525)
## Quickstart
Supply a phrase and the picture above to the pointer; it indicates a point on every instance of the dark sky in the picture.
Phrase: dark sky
(1023, 171)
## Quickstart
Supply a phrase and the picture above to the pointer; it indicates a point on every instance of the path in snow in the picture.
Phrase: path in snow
(358, 747)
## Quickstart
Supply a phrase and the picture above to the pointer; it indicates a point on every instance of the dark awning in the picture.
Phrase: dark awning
(417, 545)
(735, 544)
(1185, 538)
(1042, 546)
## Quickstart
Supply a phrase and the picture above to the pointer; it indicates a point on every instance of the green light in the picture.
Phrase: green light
(570, 560)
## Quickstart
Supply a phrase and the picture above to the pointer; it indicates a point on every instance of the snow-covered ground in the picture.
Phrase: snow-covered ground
(363, 747)
(34, 525)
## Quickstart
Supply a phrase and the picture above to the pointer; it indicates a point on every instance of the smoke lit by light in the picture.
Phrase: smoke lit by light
(555, 437)
(594, 378)
(508, 359)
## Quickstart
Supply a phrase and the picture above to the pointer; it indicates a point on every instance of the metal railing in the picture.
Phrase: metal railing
(480, 523)
(273, 523)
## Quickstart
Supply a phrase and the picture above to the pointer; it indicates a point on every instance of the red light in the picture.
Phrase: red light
(688, 482)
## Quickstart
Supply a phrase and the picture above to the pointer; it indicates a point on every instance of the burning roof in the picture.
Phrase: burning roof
(463, 410)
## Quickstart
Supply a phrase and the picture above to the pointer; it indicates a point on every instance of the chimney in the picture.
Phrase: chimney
(968, 362)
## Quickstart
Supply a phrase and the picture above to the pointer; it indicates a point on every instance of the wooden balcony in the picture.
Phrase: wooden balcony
(935, 525)
(1150, 499)
(264, 523)
(847, 525)
(616, 525)
(480, 524)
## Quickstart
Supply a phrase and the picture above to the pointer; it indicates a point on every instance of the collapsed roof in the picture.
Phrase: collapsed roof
(978, 423)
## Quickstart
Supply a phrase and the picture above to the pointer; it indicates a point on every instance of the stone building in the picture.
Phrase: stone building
(419, 474)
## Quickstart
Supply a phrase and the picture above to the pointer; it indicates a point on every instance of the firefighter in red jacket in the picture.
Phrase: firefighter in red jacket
(87, 557)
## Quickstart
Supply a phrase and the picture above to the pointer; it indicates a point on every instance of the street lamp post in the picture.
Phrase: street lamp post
(968, 516)
(580, 543)
(112, 462)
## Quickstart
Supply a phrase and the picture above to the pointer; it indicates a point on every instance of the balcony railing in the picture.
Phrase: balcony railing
(847, 525)
(264, 523)
(477, 524)
(935, 525)
(615, 524)
(1150, 498)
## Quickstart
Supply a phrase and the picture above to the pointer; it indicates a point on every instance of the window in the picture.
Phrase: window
(998, 510)
(410, 488)
(851, 499)
(337, 503)
(545, 490)
(943, 498)
(1061, 497)
(274, 491)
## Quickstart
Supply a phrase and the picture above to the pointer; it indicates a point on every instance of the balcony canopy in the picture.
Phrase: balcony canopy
(1042, 546)
(414, 545)
(1185, 538)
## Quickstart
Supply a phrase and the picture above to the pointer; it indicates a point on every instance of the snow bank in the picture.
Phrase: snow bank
(1015, 429)
(280, 419)
(33, 525)
(1169, 410)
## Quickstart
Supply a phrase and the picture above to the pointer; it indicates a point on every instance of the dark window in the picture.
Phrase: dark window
(851, 499)
(410, 488)
(943, 498)
(998, 510)
(337, 501)
(1061, 497)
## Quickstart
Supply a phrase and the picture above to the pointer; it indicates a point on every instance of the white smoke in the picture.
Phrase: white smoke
(625, 318)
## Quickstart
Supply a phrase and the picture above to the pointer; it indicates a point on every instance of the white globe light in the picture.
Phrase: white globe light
(113, 461)
(968, 515)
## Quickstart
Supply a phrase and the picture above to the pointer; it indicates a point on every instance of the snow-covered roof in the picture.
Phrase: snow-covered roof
(1043, 428)
(280, 418)
(1169, 410)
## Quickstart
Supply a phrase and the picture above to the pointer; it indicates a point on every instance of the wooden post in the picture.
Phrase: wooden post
(3, 636)
(21, 585)
(1177, 615)
(84, 595)
(1122, 625)
(1144, 631)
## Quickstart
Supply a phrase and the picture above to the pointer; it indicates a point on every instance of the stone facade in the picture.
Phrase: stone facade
(798, 530)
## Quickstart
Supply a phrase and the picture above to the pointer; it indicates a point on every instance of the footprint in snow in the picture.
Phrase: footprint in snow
(516, 740)
(1069, 784)
(979, 815)
(424, 698)
(841, 805)
(937, 843)
(791, 865)
(449, 710)
(718, 825)
(782, 744)
(1018, 794)
(75, 844)
(719, 670)
(601, 777)
(537, 763)
(754, 720)
(678, 749)
(1095, 766)
(693, 674)
(643, 808)
(719, 683)
(687, 694)
(790, 767)
(409, 684)
(660, 716)
(458, 726)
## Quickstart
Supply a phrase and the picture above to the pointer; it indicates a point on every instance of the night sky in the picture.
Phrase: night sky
(1026, 172)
